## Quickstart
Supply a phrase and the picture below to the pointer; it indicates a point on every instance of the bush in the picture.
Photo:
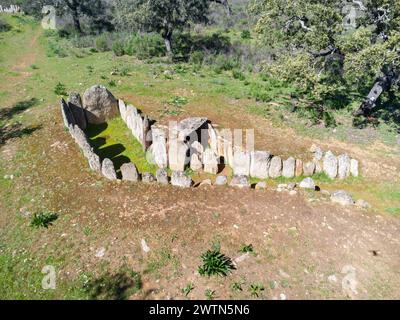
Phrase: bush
(245, 34)
(60, 89)
(43, 220)
(238, 75)
(145, 46)
(215, 263)
(225, 63)
(197, 58)
(4, 26)
(101, 43)
(118, 48)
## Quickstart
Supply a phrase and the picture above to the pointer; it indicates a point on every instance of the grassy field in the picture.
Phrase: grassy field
(41, 171)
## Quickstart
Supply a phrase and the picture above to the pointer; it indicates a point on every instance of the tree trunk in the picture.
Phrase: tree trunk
(168, 43)
(381, 85)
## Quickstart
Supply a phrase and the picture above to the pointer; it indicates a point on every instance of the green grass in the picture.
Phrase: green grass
(115, 141)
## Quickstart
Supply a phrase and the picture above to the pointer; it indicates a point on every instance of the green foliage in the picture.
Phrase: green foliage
(209, 294)
(118, 48)
(245, 34)
(4, 26)
(247, 248)
(188, 289)
(256, 289)
(237, 286)
(43, 219)
(196, 58)
(145, 46)
(102, 43)
(60, 89)
(215, 263)
(238, 75)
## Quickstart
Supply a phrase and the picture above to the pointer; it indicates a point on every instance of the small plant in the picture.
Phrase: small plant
(112, 83)
(245, 34)
(60, 89)
(34, 67)
(90, 69)
(215, 263)
(188, 289)
(44, 219)
(118, 48)
(237, 286)
(210, 294)
(124, 72)
(238, 75)
(256, 289)
(247, 248)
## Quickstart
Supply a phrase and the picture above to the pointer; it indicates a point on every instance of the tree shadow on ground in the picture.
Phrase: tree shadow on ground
(117, 286)
(16, 131)
(19, 107)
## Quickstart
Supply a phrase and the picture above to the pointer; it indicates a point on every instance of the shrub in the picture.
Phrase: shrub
(145, 46)
(255, 289)
(238, 75)
(197, 58)
(118, 48)
(43, 220)
(245, 34)
(101, 43)
(4, 26)
(215, 263)
(60, 89)
(225, 63)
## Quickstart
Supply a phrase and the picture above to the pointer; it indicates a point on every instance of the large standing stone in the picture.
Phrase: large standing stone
(275, 168)
(99, 104)
(210, 161)
(108, 170)
(308, 169)
(240, 181)
(159, 147)
(241, 163)
(259, 164)
(299, 168)
(197, 147)
(122, 109)
(75, 105)
(179, 179)
(317, 151)
(67, 116)
(162, 176)
(188, 129)
(289, 167)
(343, 166)
(178, 155)
(195, 162)
(94, 162)
(330, 165)
(213, 138)
(129, 172)
(354, 167)
(342, 197)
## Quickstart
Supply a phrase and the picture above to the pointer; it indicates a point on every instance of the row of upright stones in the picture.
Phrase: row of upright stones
(174, 147)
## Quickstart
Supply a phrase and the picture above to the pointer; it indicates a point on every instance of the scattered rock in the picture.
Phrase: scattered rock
(330, 165)
(261, 185)
(275, 168)
(363, 204)
(162, 176)
(291, 185)
(242, 258)
(129, 172)
(292, 192)
(145, 247)
(282, 296)
(179, 179)
(206, 182)
(240, 181)
(307, 183)
(289, 167)
(221, 180)
(108, 170)
(100, 252)
(148, 177)
(332, 278)
(99, 104)
(342, 197)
